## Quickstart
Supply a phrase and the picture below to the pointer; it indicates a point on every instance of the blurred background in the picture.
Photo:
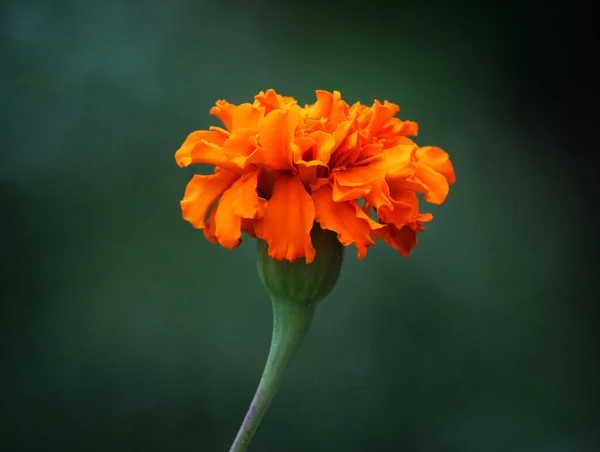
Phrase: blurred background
(123, 329)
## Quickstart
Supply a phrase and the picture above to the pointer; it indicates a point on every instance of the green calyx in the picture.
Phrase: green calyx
(298, 281)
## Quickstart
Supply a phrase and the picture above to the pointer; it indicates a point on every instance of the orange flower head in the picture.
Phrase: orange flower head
(279, 168)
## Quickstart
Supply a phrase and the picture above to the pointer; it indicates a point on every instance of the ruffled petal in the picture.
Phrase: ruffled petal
(228, 226)
(322, 107)
(350, 222)
(242, 148)
(224, 111)
(341, 132)
(224, 132)
(433, 174)
(397, 161)
(397, 127)
(238, 144)
(357, 181)
(300, 149)
(369, 153)
(438, 160)
(382, 114)
(311, 153)
(318, 183)
(196, 149)
(246, 116)
(351, 187)
(183, 156)
(339, 111)
(248, 227)
(240, 201)
(210, 228)
(247, 203)
(202, 192)
(302, 152)
(403, 239)
(403, 209)
(379, 196)
(276, 132)
(270, 100)
(363, 115)
(288, 220)
(433, 184)
(238, 116)
(348, 150)
(324, 144)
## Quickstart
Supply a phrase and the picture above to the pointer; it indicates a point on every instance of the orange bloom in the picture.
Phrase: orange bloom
(280, 167)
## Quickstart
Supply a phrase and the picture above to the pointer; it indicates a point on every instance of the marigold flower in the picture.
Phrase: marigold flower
(279, 168)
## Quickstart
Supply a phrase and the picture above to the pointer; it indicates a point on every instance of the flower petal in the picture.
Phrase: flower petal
(403, 239)
(224, 111)
(350, 222)
(433, 184)
(438, 160)
(238, 116)
(347, 193)
(199, 150)
(242, 148)
(288, 220)
(209, 229)
(369, 153)
(276, 132)
(300, 148)
(347, 151)
(273, 101)
(355, 182)
(382, 114)
(240, 201)
(397, 127)
(379, 196)
(318, 183)
(322, 107)
(358, 181)
(183, 155)
(397, 161)
(246, 116)
(403, 209)
(307, 170)
(339, 111)
(248, 227)
(221, 130)
(341, 132)
(433, 174)
(201, 193)
(247, 203)
(324, 144)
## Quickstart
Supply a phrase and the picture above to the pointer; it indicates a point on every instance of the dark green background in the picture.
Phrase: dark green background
(123, 329)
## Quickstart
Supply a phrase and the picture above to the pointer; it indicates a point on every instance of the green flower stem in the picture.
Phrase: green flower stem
(291, 321)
